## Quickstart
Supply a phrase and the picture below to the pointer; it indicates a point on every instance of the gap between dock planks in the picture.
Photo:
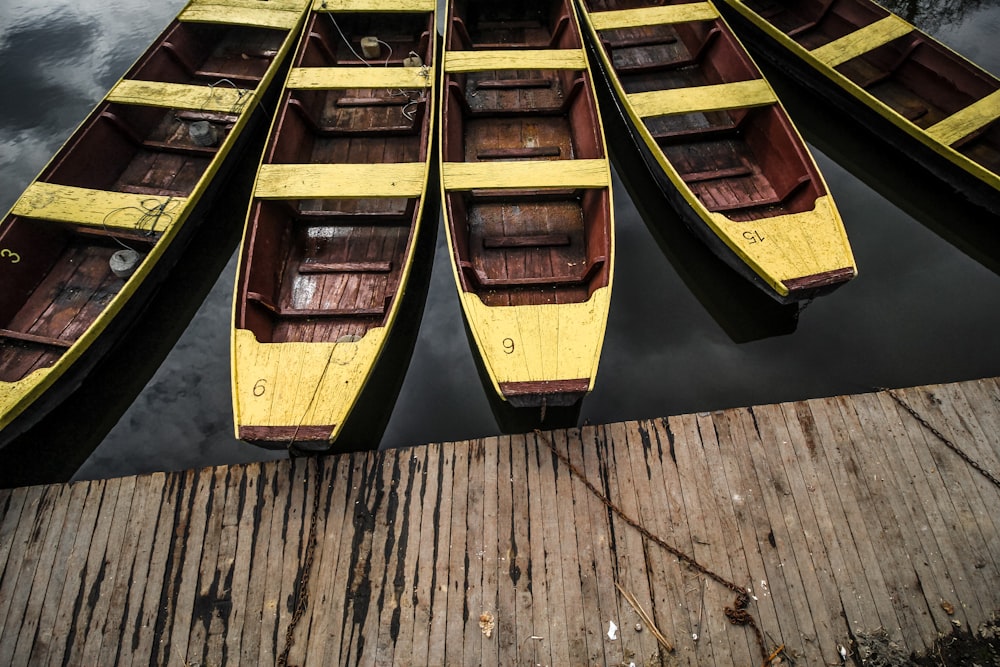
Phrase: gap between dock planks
(841, 515)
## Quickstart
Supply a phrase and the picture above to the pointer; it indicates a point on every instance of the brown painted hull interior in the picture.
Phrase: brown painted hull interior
(913, 75)
(325, 269)
(57, 289)
(529, 246)
(745, 163)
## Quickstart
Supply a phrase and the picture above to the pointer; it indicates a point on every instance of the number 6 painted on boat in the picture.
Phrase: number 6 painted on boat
(260, 387)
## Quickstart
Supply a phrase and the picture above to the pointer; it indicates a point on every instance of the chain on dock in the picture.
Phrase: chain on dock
(940, 436)
(736, 614)
(303, 588)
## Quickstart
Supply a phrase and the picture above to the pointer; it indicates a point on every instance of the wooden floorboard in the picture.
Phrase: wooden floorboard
(840, 516)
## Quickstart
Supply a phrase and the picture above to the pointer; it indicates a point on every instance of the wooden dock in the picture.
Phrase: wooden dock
(840, 515)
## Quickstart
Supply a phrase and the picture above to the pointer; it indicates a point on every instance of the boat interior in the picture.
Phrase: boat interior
(913, 75)
(745, 163)
(531, 245)
(61, 286)
(328, 269)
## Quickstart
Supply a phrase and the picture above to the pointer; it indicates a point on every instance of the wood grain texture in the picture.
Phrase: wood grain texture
(840, 516)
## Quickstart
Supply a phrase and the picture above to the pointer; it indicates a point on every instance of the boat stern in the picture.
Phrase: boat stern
(298, 393)
(799, 255)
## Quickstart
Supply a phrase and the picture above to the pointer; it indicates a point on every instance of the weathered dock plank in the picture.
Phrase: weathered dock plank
(839, 516)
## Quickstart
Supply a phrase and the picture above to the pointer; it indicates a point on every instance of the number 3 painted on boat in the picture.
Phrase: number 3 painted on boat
(10, 255)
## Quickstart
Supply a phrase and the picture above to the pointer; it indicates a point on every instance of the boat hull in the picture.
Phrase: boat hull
(726, 179)
(978, 184)
(70, 206)
(333, 227)
(527, 199)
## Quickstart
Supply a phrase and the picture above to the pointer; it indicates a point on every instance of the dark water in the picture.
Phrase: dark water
(684, 335)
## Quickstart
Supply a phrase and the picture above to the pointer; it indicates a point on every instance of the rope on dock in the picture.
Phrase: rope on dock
(737, 614)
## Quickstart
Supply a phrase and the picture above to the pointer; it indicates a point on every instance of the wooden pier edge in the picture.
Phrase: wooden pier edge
(842, 517)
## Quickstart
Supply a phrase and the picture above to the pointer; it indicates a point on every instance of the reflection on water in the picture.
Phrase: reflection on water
(683, 335)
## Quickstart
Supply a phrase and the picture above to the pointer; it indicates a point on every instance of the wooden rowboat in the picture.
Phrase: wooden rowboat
(89, 241)
(719, 144)
(332, 226)
(927, 101)
(525, 181)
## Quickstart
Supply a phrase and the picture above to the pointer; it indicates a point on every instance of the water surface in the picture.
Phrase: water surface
(684, 334)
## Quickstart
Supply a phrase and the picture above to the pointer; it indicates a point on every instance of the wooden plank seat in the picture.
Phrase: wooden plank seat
(969, 122)
(665, 65)
(861, 41)
(47, 341)
(592, 173)
(340, 181)
(110, 210)
(322, 130)
(400, 6)
(334, 78)
(776, 200)
(346, 267)
(587, 271)
(526, 241)
(316, 313)
(126, 130)
(278, 14)
(528, 59)
(716, 97)
(653, 16)
(168, 95)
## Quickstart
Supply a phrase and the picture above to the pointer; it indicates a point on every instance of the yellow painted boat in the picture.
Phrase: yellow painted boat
(332, 227)
(930, 103)
(88, 242)
(526, 188)
(719, 144)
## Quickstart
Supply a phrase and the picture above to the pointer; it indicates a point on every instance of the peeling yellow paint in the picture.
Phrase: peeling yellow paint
(484, 61)
(717, 97)
(650, 16)
(329, 78)
(526, 174)
(545, 342)
(962, 123)
(222, 99)
(340, 181)
(98, 208)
